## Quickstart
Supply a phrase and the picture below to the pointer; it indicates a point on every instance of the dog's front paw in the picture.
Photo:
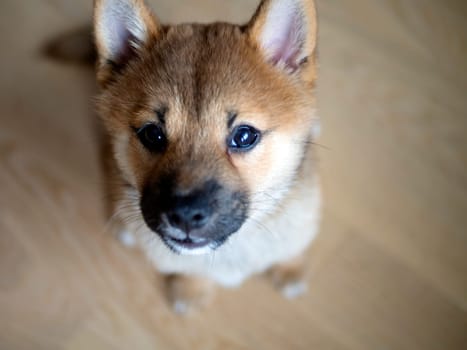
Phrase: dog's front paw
(289, 278)
(294, 289)
(126, 238)
(187, 294)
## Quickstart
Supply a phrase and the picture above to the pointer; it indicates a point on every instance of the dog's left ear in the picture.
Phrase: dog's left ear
(285, 31)
(122, 29)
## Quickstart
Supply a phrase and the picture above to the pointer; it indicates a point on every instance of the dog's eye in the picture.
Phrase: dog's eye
(244, 138)
(152, 137)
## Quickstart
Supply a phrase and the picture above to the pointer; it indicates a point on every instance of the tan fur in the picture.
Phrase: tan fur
(200, 73)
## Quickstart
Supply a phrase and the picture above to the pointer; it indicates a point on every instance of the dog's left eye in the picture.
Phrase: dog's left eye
(152, 137)
(244, 138)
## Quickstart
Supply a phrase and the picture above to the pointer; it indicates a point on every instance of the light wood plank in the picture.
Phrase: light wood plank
(389, 270)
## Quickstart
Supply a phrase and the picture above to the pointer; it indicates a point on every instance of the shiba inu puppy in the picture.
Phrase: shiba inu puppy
(210, 131)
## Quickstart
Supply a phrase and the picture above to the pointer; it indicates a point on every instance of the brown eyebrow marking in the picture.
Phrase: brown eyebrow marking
(160, 113)
(231, 118)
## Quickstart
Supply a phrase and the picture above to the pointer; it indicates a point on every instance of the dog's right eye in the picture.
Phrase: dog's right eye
(152, 137)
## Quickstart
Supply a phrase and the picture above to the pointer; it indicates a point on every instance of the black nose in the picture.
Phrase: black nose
(190, 212)
(188, 218)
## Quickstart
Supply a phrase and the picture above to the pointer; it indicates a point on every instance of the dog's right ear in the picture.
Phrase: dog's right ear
(122, 29)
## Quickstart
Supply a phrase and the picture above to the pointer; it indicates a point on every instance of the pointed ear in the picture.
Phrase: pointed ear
(122, 28)
(285, 31)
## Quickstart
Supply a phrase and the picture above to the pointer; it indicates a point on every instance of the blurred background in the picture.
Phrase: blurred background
(389, 270)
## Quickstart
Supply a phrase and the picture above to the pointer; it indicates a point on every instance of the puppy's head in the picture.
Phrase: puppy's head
(208, 123)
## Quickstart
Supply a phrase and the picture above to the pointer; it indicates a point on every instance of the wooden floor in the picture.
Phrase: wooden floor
(389, 270)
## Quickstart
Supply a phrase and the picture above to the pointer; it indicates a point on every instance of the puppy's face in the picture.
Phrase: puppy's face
(206, 124)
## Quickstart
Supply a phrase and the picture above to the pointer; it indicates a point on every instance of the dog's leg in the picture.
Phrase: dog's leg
(289, 277)
(187, 293)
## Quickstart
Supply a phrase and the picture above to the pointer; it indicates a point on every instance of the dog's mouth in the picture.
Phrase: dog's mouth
(189, 246)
